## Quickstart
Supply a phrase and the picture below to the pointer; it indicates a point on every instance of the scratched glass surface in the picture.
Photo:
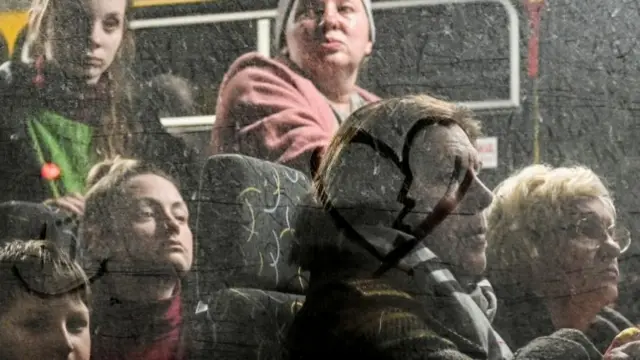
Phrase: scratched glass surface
(552, 82)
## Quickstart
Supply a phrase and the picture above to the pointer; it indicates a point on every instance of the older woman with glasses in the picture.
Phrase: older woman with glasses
(553, 255)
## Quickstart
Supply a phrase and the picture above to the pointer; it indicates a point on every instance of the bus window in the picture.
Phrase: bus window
(450, 53)
(199, 53)
(12, 24)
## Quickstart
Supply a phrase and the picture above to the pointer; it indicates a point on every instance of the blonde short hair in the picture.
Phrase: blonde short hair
(527, 208)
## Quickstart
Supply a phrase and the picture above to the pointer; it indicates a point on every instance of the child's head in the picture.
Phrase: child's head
(44, 303)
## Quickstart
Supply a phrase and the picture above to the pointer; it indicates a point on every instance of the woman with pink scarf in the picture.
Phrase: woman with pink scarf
(286, 109)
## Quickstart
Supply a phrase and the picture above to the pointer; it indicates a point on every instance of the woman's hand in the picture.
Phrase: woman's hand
(73, 203)
(627, 351)
(625, 346)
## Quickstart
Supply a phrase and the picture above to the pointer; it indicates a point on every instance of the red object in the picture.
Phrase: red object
(144, 332)
(534, 9)
(38, 80)
(50, 171)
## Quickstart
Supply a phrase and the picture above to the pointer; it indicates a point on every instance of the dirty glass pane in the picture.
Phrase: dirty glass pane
(375, 179)
(445, 50)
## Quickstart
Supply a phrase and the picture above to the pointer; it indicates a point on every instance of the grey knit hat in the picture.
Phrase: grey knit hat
(284, 10)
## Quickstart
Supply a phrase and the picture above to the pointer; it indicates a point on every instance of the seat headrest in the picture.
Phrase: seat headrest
(35, 221)
(246, 209)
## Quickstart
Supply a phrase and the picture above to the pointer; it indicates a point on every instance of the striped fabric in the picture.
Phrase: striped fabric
(465, 315)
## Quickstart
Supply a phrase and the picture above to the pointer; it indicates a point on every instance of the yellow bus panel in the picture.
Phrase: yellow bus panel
(11, 23)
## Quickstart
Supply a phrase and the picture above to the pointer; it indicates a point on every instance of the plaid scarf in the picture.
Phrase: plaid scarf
(464, 316)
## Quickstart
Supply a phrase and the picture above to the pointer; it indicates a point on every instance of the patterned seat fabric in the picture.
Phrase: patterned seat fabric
(246, 209)
(251, 323)
(35, 221)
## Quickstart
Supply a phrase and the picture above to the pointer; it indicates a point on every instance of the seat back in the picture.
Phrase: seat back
(35, 221)
(252, 324)
(244, 232)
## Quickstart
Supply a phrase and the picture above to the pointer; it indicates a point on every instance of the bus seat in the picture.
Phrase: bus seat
(21, 220)
(246, 209)
(251, 324)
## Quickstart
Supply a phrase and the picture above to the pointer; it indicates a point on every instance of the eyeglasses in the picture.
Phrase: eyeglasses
(591, 234)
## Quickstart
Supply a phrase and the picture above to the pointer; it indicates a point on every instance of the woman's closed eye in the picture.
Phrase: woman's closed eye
(143, 213)
(181, 215)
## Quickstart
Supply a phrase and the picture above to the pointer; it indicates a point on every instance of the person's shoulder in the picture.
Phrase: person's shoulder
(565, 344)
(373, 315)
(255, 65)
(255, 59)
